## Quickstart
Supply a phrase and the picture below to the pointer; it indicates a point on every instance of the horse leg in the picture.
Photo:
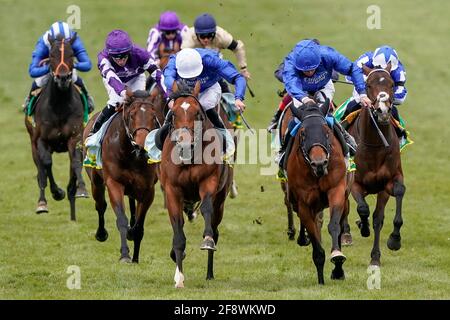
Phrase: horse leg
(378, 219)
(347, 239)
(98, 193)
(41, 179)
(116, 194)
(336, 199)
(290, 215)
(362, 208)
(76, 158)
(132, 205)
(398, 191)
(46, 159)
(175, 208)
(318, 254)
(71, 190)
(137, 230)
(207, 211)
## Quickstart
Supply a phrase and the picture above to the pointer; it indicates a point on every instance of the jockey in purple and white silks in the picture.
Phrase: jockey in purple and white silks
(167, 32)
(122, 65)
(380, 58)
(307, 73)
(40, 70)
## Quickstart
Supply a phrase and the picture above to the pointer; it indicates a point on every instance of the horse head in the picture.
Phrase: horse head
(140, 116)
(315, 142)
(380, 90)
(165, 52)
(61, 60)
(187, 119)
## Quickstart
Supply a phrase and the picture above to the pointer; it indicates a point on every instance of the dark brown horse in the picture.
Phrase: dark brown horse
(189, 177)
(317, 179)
(58, 126)
(125, 169)
(378, 163)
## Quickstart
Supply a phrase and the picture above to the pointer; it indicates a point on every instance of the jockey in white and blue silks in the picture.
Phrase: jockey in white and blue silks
(40, 70)
(307, 73)
(123, 64)
(204, 65)
(166, 32)
(380, 58)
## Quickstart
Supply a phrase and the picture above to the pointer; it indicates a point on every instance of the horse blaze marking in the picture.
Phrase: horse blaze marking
(185, 106)
(142, 109)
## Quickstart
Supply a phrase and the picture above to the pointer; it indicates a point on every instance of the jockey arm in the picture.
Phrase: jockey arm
(83, 64)
(291, 80)
(40, 52)
(237, 46)
(170, 74)
(227, 71)
(157, 75)
(108, 73)
(153, 42)
(399, 77)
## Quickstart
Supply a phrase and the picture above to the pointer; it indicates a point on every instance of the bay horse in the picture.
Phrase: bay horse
(58, 126)
(378, 162)
(187, 179)
(125, 170)
(317, 179)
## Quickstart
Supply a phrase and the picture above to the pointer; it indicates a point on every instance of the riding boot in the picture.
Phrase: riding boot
(351, 107)
(280, 158)
(106, 113)
(274, 122)
(348, 138)
(83, 88)
(218, 124)
(34, 86)
(163, 131)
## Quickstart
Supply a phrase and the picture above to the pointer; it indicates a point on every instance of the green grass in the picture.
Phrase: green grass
(253, 261)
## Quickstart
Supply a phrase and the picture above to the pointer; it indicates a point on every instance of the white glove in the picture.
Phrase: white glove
(307, 99)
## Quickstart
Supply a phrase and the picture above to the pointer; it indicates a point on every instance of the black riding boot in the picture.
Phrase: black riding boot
(163, 131)
(348, 138)
(282, 152)
(274, 122)
(218, 124)
(106, 113)
(83, 88)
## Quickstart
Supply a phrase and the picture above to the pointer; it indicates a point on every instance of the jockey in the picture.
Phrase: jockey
(206, 34)
(122, 64)
(307, 73)
(380, 59)
(167, 32)
(40, 70)
(192, 65)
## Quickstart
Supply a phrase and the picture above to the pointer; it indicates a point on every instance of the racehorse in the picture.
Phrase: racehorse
(317, 179)
(378, 162)
(186, 178)
(125, 170)
(58, 126)
(164, 53)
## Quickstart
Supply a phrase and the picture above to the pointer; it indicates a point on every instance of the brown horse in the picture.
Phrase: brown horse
(317, 179)
(378, 163)
(58, 125)
(125, 169)
(164, 54)
(188, 177)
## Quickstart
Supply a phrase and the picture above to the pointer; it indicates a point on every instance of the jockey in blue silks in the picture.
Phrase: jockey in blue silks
(380, 58)
(204, 65)
(307, 73)
(40, 70)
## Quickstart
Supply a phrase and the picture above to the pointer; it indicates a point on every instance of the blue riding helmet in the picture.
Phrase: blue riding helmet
(204, 24)
(383, 55)
(307, 55)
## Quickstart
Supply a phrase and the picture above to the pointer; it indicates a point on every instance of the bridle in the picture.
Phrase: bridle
(62, 63)
(302, 142)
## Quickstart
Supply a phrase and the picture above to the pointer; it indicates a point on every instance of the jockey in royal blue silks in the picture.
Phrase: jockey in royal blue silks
(123, 64)
(204, 65)
(40, 70)
(307, 73)
(380, 58)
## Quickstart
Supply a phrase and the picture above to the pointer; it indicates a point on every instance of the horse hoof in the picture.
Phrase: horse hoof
(42, 208)
(125, 259)
(208, 244)
(101, 235)
(291, 234)
(394, 243)
(364, 228)
(191, 215)
(337, 275)
(233, 192)
(130, 235)
(59, 194)
(337, 258)
(346, 239)
(303, 241)
(81, 193)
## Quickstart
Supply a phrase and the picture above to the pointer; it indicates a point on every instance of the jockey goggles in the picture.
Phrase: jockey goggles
(206, 35)
(120, 56)
(167, 32)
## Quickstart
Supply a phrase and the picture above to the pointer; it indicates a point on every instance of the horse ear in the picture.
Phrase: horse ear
(325, 107)
(74, 37)
(50, 39)
(366, 69)
(388, 67)
(196, 89)
(175, 86)
(129, 92)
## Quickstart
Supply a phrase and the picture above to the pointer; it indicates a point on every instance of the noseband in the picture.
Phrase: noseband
(303, 140)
